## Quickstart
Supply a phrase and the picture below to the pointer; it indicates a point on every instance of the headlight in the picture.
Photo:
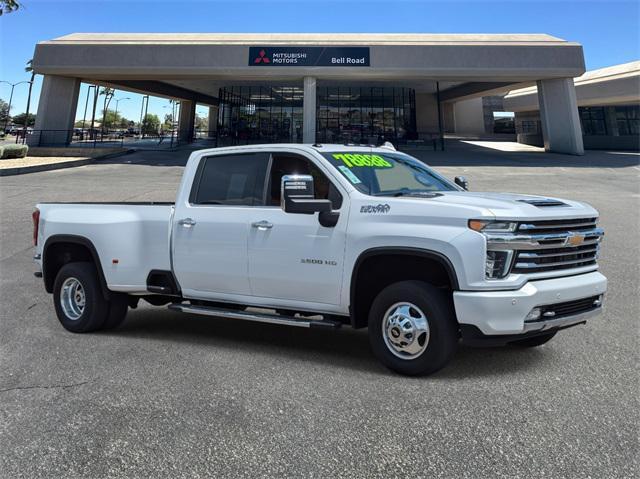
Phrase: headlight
(483, 226)
(497, 264)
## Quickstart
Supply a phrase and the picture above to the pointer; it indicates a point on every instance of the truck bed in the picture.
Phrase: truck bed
(130, 238)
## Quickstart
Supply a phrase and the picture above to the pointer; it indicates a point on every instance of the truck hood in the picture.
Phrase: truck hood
(513, 205)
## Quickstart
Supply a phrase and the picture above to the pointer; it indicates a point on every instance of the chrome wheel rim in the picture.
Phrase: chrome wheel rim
(405, 330)
(72, 298)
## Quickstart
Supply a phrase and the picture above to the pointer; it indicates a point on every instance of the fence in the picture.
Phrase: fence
(77, 138)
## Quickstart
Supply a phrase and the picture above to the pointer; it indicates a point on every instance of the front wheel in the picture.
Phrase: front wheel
(412, 328)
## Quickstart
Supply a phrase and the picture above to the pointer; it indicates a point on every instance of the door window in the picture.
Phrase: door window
(230, 180)
(290, 164)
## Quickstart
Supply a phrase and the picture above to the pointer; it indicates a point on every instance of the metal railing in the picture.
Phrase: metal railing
(78, 138)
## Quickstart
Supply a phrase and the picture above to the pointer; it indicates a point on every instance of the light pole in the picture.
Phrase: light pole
(118, 100)
(13, 85)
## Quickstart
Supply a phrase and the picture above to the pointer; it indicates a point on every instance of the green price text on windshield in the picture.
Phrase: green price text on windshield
(357, 159)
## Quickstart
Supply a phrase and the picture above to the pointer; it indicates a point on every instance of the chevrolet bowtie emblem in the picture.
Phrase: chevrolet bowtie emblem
(575, 239)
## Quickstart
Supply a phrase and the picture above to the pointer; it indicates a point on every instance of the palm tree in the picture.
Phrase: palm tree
(8, 6)
(29, 69)
(108, 95)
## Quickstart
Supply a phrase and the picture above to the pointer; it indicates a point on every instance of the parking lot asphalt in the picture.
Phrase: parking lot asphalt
(171, 395)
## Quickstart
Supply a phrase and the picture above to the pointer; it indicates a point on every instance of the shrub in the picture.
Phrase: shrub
(14, 151)
(1, 151)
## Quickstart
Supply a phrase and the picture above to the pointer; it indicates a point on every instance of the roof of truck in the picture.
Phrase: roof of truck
(303, 146)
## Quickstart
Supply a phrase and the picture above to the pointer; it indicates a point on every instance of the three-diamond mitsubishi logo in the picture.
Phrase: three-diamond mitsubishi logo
(262, 57)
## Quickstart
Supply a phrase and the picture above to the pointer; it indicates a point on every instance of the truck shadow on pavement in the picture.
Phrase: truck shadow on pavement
(344, 348)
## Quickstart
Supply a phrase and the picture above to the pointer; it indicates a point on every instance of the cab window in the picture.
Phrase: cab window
(230, 180)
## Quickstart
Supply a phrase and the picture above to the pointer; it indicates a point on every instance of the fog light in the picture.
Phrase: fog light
(497, 264)
(533, 315)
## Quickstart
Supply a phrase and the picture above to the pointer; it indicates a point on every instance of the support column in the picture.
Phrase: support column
(309, 111)
(213, 121)
(56, 111)
(559, 116)
(186, 120)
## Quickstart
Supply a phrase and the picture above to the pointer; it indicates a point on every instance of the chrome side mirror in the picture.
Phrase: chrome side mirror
(297, 195)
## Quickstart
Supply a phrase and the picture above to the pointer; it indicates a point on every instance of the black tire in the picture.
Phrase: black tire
(96, 307)
(118, 307)
(534, 341)
(443, 329)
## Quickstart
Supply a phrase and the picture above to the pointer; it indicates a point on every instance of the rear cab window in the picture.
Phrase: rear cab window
(230, 180)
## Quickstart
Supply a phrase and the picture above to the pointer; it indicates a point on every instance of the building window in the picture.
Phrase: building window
(628, 120)
(592, 120)
(365, 114)
(259, 114)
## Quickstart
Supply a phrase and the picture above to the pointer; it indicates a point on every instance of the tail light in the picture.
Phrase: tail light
(36, 221)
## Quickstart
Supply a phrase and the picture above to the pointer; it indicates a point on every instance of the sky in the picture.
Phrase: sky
(608, 30)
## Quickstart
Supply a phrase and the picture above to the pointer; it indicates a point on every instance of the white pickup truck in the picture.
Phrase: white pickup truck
(326, 236)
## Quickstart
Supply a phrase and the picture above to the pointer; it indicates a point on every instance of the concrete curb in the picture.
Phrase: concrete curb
(59, 166)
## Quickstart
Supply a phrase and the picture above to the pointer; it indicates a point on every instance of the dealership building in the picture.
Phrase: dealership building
(357, 88)
(608, 106)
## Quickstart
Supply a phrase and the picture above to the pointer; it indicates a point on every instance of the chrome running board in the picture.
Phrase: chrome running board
(255, 316)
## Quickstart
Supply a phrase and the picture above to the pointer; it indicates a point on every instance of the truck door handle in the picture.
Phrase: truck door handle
(262, 225)
(187, 222)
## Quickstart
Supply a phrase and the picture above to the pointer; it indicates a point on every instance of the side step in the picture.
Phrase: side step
(255, 316)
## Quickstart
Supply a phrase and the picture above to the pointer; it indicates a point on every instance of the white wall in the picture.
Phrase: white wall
(426, 113)
(468, 116)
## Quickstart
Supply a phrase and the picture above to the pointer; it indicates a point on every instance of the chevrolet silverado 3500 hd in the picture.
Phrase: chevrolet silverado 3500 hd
(331, 235)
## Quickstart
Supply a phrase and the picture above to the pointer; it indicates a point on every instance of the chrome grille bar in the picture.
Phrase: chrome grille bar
(506, 241)
(555, 263)
(550, 245)
(562, 226)
(558, 224)
(559, 253)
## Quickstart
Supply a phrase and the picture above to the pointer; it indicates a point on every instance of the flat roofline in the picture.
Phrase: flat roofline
(312, 39)
(600, 75)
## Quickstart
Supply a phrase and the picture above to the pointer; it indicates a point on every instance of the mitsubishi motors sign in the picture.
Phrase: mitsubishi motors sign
(309, 56)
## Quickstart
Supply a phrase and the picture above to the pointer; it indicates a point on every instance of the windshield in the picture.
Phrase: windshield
(388, 174)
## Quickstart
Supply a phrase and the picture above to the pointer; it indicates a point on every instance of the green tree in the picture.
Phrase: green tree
(114, 120)
(20, 119)
(124, 123)
(150, 124)
(202, 122)
(4, 111)
(8, 6)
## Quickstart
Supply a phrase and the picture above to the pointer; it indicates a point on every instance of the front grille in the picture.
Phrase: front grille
(552, 259)
(558, 245)
(558, 226)
(569, 308)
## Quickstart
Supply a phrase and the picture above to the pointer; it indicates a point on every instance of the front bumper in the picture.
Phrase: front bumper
(504, 312)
